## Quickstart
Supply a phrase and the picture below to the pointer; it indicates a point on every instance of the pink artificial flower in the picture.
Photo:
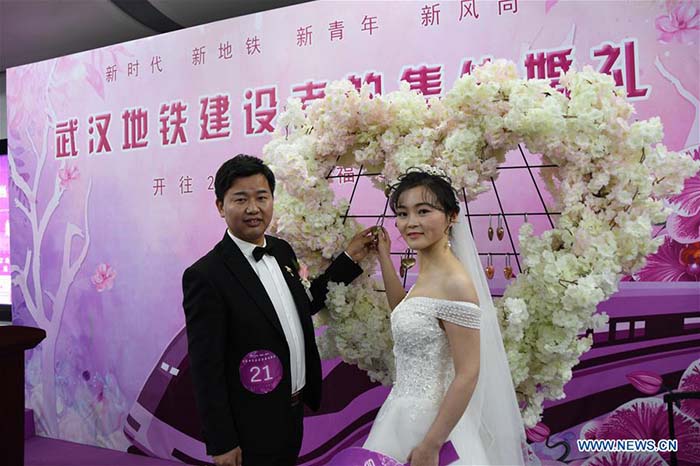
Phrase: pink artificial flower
(104, 277)
(539, 433)
(681, 24)
(646, 382)
(304, 272)
(684, 224)
(690, 382)
(673, 262)
(67, 175)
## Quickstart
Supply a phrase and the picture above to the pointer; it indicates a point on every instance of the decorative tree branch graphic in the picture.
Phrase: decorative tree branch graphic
(26, 275)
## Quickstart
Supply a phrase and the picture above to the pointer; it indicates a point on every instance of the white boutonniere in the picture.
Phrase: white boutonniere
(303, 277)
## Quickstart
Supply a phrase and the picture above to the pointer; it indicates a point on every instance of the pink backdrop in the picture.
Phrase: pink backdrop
(114, 152)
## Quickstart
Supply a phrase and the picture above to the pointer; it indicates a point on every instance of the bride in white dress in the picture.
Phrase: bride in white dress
(452, 377)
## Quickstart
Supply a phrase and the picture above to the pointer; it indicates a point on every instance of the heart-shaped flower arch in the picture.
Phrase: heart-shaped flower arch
(611, 180)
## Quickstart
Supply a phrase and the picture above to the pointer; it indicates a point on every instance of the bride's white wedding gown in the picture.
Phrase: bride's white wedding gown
(424, 371)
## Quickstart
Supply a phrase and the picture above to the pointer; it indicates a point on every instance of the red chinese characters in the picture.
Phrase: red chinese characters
(369, 24)
(158, 186)
(65, 138)
(467, 8)
(620, 61)
(198, 55)
(259, 109)
(336, 30)
(156, 62)
(98, 127)
(185, 185)
(214, 120)
(304, 36)
(426, 79)
(430, 15)
(132, 69)
(468, 65)
(135, 122)
(310, 90)
(507, 5)
(346, 175)
(225, 50)
(252, 45)
(172, 123)
(111, 73)
(548, 64)
(370, 78)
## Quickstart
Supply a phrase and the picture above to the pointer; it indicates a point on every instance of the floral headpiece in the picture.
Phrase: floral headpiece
(421, 168)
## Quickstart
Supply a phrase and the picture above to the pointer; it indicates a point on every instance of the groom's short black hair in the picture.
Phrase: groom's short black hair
(240, 166)
(439, 186)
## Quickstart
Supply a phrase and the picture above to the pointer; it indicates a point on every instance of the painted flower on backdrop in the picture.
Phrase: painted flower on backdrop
(66, 175)
(690, 382)
(673, 262)
(619, 458)
(646, 382)
(549, 4)
(684, 223)
(681, 23)
(539, 433)
(647, 418)
(104, 276)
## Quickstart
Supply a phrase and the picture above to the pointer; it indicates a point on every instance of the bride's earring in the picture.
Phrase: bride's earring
(508, 270)
(490, 230)
(489, 267)
(499, 231)
(406, 263)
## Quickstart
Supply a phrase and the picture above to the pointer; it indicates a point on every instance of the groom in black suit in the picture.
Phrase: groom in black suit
(251, 340)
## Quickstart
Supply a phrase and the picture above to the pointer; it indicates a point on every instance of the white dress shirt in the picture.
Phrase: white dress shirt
(270, 274)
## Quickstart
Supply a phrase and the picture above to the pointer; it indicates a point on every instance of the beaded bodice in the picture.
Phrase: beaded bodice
(424, 367)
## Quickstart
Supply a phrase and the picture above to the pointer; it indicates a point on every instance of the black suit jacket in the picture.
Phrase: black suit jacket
(229, 314)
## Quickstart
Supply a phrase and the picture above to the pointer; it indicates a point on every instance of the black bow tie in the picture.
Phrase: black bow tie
(258, 252)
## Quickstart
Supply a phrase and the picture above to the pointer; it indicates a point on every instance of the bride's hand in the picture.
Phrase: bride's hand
(383, 242)
(424, 455)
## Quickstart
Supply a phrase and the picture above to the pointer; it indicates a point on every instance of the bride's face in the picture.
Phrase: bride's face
(420, 219)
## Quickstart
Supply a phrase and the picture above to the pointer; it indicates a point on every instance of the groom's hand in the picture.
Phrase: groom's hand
(231, 458)
(360, 244)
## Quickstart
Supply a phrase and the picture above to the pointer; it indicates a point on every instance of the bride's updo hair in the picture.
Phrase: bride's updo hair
(439, 185)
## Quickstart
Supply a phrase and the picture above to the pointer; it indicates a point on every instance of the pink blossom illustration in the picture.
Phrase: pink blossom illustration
(625, 459)
(104, 276)
(684, 229)
(673, 262)
(681, 24)
(549, 4)
(539, 433)
(590, 429)
(690, 382)
(684, 224)
(66, 175)
(647, 418)
(646, 382)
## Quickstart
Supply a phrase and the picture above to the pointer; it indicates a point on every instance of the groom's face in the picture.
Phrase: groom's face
(247, 208)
